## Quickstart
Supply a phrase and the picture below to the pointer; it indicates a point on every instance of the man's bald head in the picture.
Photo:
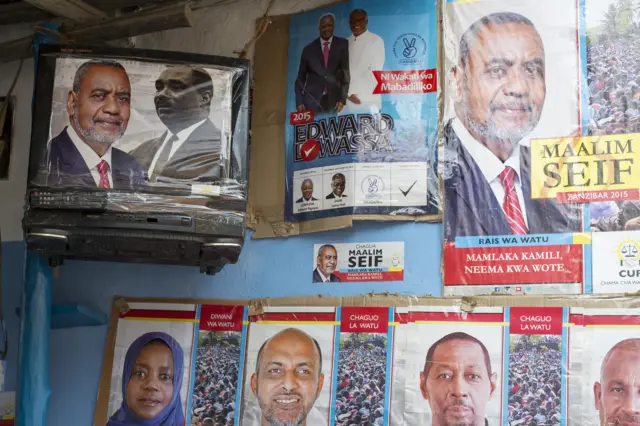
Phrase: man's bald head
(286, 336)
(617, 394)
(288, 378)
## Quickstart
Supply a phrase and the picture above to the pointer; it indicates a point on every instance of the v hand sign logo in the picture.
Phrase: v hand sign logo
(410, 49)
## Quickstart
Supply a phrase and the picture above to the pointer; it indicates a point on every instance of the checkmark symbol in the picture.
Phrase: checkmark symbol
(408, 190)
(309, 151)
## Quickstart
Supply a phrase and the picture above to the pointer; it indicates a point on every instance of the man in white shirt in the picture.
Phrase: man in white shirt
(327, 262)
(98, 106)
(366, 54)
(190, 148)
(499, 95)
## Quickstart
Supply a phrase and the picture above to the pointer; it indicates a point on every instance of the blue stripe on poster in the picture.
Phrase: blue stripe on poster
(505, 368)
(243, 342)
(514, 240)
(334, 374)
(194, 361)
(387, 384)
(565, 367)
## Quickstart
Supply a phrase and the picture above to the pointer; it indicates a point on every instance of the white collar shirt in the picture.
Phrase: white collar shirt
(491, 166)
(91, 158)
(182, 136)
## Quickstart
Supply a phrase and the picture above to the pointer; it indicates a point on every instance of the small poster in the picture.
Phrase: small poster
(616, 267)
(358, 262)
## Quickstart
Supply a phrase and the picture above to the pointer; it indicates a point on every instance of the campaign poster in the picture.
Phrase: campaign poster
(537, 366)
(616, 267)
(450, 350)
(361, 111)
(513, 77)
(130, 124)
(578, 383)
(363, 371)
(358, 262)
(152, 363)
(289, 366)
(612, 339)
(218, 363)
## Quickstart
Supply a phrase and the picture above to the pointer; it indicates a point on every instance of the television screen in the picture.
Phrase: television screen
(140, 121)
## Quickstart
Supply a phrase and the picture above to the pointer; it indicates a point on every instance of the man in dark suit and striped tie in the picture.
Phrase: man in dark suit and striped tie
(499, 95)
(323, 75)
(190, 148)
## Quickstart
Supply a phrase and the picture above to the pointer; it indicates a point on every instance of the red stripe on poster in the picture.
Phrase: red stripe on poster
(577, 319)
(295, 316)
(513, 265)
(370, 276)
(402, 318)
(151, 313)
(455, 317)
(221, 318)
(598, 196)
(621, 320)
(364, 320)
(536, 321)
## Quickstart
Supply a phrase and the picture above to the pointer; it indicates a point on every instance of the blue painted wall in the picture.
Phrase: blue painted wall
(267, 268)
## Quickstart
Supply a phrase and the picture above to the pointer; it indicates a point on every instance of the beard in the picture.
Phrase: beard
(504, 137)
(92, 134)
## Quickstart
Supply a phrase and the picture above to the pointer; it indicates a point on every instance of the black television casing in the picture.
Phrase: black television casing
(195, 220)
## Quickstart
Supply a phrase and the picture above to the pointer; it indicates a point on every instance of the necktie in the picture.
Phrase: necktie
(511, 203)
(163, 159)
(103, 169)
(325, 52)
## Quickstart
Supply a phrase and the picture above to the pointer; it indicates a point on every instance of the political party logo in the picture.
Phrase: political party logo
(396, 259)
(372, 187)
(410, 49)
(629, 254)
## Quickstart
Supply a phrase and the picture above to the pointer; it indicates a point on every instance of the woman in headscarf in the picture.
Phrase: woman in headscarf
(151, 383)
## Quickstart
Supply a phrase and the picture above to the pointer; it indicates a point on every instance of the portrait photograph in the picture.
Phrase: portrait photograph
(290, 379)
(151, 373)
(612, 358)
(512, 74)
(444, 358)
(125, 124)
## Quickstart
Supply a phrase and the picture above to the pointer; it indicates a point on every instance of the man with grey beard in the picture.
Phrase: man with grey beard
(499, 92)
(98, 107)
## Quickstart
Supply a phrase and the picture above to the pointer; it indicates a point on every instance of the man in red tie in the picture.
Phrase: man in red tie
(499, 93)
(98, 107)
(323, 75)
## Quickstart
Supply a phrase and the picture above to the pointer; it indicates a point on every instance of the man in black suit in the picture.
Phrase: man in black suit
(327, 261)
(98, 107)
(323, 76)
(307, 192)
(338, 182)
(190, 148)
(499, 94)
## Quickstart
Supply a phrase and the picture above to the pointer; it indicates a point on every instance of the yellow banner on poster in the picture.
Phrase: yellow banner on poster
(588, 163)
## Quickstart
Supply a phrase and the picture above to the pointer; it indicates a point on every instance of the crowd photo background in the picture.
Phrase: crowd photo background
(535, 380)
(362, 367)
(216, 379)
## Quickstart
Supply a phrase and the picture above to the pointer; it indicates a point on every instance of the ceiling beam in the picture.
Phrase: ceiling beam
(20, 12)
(130, 25)
(73, 10)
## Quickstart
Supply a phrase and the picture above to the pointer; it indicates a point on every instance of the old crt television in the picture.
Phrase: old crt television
(138, 156)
